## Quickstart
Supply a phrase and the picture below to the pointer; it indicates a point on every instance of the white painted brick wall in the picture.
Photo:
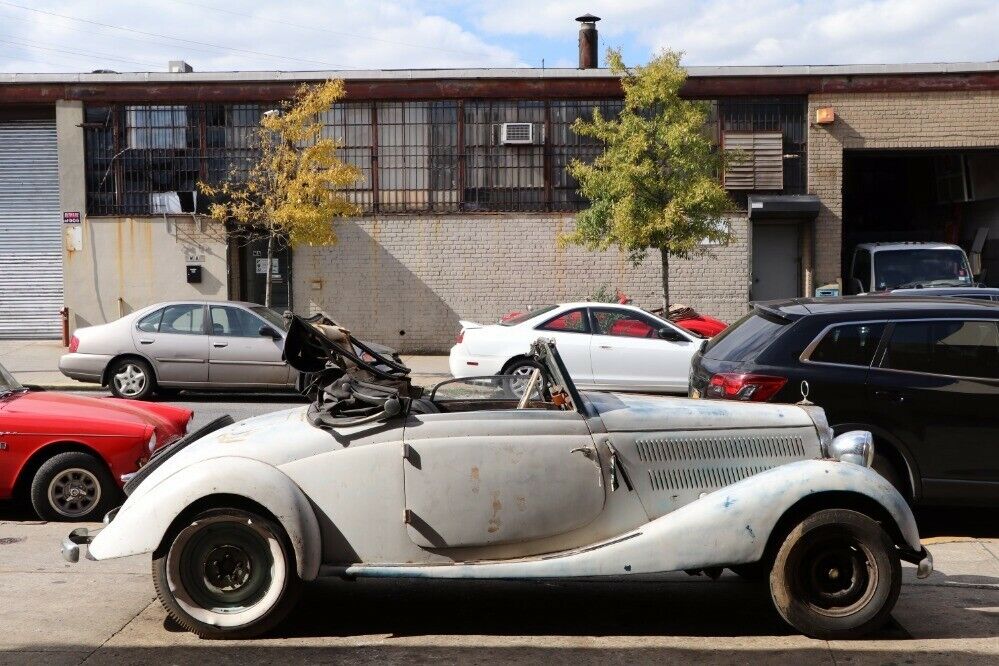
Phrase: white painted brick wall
(406, 281)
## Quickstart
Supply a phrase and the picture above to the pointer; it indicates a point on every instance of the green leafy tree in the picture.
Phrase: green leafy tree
(292, 192)
(655, 186)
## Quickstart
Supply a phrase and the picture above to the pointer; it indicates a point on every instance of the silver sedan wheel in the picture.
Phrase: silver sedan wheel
(130, 380)
(74, 492)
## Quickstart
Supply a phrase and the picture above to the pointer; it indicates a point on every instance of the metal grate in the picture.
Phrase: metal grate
(698, 463)
(439, 156)
(719, 448)
(692, 479)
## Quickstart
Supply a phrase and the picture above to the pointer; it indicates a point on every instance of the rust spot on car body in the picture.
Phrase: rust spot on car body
(475, 479)
(494, 522)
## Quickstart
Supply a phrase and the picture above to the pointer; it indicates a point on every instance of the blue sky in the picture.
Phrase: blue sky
(141, 35)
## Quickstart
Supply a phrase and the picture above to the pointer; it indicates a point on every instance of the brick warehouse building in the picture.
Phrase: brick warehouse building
(465, 189)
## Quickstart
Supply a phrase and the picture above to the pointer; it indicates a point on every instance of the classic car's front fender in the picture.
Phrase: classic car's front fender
(729, 526)
(140, 524)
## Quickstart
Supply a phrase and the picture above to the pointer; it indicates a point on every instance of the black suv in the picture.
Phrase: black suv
(922, 374)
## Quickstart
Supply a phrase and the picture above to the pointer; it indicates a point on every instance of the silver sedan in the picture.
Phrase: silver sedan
(183, 345)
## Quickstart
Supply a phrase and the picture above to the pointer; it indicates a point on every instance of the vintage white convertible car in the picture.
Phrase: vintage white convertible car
(466, 481)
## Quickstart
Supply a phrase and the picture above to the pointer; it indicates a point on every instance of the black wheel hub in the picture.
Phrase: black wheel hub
(836, 576)
(226, 566)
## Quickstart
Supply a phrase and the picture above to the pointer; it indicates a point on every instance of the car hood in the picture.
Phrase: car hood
(47, 412)
(628, 412)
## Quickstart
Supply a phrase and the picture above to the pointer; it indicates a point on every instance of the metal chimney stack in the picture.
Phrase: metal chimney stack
(588, 41)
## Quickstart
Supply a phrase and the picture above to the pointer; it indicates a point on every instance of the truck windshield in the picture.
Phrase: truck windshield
(920, 267)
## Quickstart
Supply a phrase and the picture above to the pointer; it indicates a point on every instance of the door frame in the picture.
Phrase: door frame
(805, 244)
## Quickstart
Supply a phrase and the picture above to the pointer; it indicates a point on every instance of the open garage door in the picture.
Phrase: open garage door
(944, 196)
(30, 230)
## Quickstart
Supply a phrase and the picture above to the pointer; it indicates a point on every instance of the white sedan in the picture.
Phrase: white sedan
(604, 346)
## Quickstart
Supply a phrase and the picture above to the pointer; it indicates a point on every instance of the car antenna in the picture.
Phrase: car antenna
(805, 402)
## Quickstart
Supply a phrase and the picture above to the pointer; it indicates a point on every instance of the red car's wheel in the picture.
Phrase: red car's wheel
(73, 486)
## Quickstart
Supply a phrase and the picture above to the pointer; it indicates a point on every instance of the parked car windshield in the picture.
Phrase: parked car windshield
(930, 268)
(521, 318)
(744, 339)
(271, 317)
(7, 382)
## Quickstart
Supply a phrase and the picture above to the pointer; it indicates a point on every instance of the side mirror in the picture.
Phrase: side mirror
(853, 287)
(268, 332)
(667, 333)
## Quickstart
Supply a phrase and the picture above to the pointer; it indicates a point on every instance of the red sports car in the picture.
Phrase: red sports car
(68, 453)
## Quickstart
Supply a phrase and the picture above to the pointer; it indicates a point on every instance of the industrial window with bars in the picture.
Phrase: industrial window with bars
(420, 156)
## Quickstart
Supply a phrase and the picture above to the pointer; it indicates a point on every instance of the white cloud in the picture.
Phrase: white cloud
(737, 32)
(294, 35)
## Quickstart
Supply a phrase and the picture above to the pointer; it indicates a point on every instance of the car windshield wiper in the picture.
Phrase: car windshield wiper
(11, 391)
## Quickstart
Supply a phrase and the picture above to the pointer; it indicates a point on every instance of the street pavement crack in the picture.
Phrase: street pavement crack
(117, 631)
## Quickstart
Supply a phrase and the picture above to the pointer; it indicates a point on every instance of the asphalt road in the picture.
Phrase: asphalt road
(106, 612)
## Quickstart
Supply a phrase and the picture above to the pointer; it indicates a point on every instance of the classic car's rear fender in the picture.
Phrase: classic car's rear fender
(729, 526)
(141, 523)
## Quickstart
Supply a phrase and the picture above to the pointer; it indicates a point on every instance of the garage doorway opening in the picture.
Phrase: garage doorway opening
(946, 196)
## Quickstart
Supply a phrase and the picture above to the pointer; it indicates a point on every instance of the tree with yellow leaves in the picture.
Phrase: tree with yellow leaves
(655, 186)
(292, 192)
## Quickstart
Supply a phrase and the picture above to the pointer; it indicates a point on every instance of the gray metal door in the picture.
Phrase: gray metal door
(31, 284)
(776, 261)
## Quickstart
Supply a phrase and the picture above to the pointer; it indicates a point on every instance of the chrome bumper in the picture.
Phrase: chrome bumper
(81, 536)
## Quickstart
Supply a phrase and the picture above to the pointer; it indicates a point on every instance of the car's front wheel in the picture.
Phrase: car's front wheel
(73, 486)
(836, 575)
(227, 573)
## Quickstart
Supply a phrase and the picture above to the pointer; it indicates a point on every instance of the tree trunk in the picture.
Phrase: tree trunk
(665, 259)
(270, 270)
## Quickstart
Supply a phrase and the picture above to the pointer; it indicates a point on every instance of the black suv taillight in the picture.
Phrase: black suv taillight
(749, 387)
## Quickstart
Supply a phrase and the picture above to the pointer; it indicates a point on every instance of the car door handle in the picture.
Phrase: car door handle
(891, 396)
(606, 347)
(220, 344)
(145, 341)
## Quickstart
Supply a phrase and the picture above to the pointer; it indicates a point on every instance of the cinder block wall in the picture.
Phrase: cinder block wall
(717, 281)
(885, 121)
(407, 281)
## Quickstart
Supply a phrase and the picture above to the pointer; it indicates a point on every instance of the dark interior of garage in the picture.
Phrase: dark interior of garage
(944, 196)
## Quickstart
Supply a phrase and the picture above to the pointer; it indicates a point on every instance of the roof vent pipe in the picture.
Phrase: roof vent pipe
(588, 41)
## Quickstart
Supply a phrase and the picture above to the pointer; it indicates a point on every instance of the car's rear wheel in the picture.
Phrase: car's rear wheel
(227, 574)
(836, 575)
(73, 486)
(132, 379)
(520, 376)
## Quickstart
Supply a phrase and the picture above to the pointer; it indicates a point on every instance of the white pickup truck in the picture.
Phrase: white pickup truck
(886, 266)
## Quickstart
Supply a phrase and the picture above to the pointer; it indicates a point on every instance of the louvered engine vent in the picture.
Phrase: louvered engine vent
(699, 463)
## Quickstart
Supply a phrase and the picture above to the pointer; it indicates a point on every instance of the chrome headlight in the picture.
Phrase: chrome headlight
(856, 446)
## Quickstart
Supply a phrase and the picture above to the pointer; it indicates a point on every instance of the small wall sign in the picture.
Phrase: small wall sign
(71, 217)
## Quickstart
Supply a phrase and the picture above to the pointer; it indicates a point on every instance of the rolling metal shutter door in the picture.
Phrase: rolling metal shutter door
(31, 284)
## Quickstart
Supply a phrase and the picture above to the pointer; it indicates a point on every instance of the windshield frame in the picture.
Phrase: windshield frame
(8, 384)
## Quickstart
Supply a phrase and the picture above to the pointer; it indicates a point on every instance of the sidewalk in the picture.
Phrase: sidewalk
(36, 362)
